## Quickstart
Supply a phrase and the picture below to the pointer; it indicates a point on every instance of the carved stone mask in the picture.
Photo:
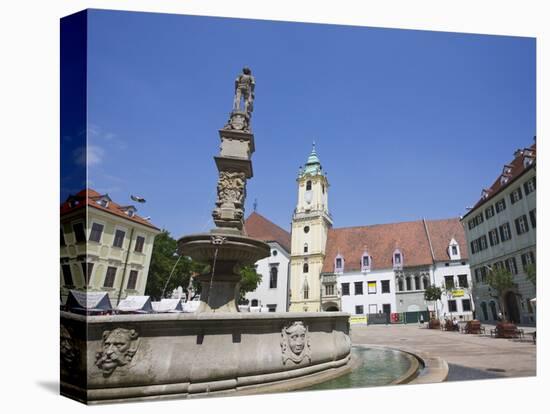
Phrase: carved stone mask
(67, 349)
(295, 342)
(118, 349)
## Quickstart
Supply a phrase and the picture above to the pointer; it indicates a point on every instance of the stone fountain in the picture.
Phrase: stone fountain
(217, 350)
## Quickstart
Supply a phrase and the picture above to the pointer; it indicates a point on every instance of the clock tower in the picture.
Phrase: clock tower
(310, 224)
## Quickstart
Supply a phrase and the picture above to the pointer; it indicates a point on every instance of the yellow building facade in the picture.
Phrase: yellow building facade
(310, 224)
(104, 247)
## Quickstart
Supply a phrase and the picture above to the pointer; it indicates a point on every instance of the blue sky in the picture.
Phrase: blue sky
(408, 124)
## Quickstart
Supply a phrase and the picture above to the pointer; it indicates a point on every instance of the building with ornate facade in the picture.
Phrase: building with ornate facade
(501, 232)
(105, 247)
(311, 223)
(383, 268)
(272, 293)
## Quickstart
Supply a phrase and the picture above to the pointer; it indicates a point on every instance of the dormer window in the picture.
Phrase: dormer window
(527, 160)
(397, 259)
(365, 262)
(503, 179)
(339, 264)
(130, 211)
(453, 250)
(507, 170)
(484, 194)
(104, 201)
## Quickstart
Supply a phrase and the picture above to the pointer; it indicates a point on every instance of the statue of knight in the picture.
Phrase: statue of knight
(244, 90)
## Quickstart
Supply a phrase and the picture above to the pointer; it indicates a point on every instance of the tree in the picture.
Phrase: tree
(249, 280)
(433, 294)
(531, 271)
(163, 264)
(501, 280)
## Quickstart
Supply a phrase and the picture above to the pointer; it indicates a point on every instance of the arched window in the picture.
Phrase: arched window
(417, 283)
(323, 187)
(400, 284)
(493, 307)
(305, 268)
(306, 290)
(409, 284)
(305, 248)
(484, 311)
(273, 277)
(308, 185)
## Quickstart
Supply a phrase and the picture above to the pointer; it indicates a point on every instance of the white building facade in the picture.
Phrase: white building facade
(272, 294)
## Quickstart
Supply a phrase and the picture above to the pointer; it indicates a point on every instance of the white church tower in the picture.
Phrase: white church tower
(310, 224)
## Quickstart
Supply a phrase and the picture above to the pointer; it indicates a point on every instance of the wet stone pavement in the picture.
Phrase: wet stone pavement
(469, 356)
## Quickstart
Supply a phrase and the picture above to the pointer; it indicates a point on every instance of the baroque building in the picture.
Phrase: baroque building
(104, 247)
(375, 269)
(501, 232)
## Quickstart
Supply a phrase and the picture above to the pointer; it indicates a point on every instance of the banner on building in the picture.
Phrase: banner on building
(458, 293)
(358, 319)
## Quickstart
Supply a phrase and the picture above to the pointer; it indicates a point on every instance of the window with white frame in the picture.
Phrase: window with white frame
(521, 225)
(397, 259)
(371, 287)
(505, 233)
(345, 289)
(500, 205)
(530, 186)
(489, 212)
(119, 238)
(493, 237)
(339, 264)
(329, 290)
(515, 195)
(95, 233)
(527, 259)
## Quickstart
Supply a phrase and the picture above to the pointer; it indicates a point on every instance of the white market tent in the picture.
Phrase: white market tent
(167, 305)
(135, 304)
(89, 302)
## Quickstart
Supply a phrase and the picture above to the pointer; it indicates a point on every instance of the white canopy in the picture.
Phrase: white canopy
(141, 304)
(167, 305)
(89, 301)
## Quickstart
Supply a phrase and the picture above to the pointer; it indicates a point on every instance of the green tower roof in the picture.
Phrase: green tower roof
(313, 164)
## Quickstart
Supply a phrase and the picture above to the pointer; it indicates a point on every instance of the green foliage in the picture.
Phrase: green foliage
(531, 271)
(433, 293)
(249, 280)
(163, 260)
(500, 279)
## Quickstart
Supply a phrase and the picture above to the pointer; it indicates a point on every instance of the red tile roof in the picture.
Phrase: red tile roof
(258, 227)
(442, 232)
(381, 240)
(516, 169)
(89, 197)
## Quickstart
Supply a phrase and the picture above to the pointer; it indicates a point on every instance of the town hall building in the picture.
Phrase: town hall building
(374, 269)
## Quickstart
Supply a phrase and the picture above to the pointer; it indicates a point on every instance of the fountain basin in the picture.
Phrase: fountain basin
(129, 357)
(230, 248)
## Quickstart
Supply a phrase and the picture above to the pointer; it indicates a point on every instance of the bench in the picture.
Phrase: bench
(507, 330)
(473, 327)
(449, 326)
